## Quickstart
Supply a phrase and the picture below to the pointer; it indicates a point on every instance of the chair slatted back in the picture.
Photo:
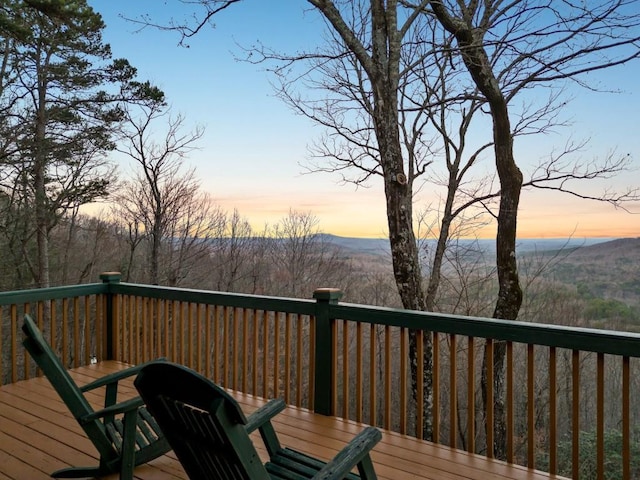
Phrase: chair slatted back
(203, 424)
(64, 385)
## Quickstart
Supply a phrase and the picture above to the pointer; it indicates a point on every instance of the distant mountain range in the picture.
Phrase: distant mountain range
(381, 245)
(608, 270)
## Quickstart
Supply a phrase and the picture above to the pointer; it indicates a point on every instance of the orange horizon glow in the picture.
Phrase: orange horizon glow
(612, 224)
(361, 213)
(351, 219)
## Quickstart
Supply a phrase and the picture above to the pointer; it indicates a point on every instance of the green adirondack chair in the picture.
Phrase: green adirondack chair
(210, 434)
(124, 434)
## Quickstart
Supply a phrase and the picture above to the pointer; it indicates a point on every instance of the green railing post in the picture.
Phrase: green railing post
(109, 277)
(324, 364)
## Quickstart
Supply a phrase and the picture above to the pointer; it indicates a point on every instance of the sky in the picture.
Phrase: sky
(255, 150)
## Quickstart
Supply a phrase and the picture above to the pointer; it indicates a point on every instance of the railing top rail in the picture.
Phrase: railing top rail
(257, 302)
(560, 336)
(51, 293)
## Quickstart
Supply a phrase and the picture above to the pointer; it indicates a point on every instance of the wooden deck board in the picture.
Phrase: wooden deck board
(38, 436)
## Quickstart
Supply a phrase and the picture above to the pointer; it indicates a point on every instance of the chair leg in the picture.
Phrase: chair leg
(128, 445)
(366, 470)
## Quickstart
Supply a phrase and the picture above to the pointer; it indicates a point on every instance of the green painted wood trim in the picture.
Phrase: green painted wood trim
(257, 302)
(110, 278)
(587, 339)
(326, 298)
(19, 297)
(575, 338)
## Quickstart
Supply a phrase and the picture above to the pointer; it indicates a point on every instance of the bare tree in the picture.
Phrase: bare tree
(83, 246)
(163, 204)
(239, 257)
(302, 258)
(507, 50)
(364, 65)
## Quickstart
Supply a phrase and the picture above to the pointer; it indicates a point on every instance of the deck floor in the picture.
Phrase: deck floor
(38, 436)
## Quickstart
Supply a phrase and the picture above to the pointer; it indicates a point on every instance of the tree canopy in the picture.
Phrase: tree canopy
(62, 104)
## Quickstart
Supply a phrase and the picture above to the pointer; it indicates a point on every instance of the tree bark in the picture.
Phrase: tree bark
(470, 43)
(404, 254)
(382, 67)
(39, 172)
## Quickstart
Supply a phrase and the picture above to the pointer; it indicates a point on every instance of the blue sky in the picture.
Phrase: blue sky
(254, 145)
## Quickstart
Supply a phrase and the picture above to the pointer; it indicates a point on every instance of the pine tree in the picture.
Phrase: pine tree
(70, 102)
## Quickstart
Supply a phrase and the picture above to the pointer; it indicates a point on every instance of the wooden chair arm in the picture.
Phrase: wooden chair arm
(122, 407)
(116, 376)
(355, 453)
(264, 414)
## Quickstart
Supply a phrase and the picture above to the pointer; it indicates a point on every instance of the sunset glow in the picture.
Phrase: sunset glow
(255, 150)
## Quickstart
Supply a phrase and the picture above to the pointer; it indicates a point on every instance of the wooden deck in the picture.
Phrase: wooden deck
(38, 436)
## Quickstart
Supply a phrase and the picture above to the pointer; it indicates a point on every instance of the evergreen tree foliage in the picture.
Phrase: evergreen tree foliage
(62, 103)
(588, 467)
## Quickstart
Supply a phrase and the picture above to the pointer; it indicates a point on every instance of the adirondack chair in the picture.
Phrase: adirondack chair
(210, 434)
(124, 434)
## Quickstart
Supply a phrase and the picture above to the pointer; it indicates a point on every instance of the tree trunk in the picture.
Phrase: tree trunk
(404, 249)
(39, 183)
(154, 254)
(157, 228)
(509, 292)
(470, 42)
(441, 246)
(399, 197)
(382, 67)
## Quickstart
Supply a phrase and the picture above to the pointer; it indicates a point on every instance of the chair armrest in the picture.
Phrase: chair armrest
(355, 452)
(116, 376)
(264, 414)
(122, 407)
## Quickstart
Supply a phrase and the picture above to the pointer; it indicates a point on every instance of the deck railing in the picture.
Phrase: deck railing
(569, 393)
(264, 346)
(76, 320)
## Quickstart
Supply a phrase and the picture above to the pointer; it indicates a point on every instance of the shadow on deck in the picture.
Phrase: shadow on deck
(38, 436)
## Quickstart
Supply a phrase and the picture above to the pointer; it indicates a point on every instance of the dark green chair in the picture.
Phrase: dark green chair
(125, 434)
(210, 434)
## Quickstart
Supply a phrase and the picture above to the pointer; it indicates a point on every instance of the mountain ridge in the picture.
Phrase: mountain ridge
(381, 245)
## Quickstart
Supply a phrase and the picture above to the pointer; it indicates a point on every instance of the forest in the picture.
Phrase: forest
(68, 109)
